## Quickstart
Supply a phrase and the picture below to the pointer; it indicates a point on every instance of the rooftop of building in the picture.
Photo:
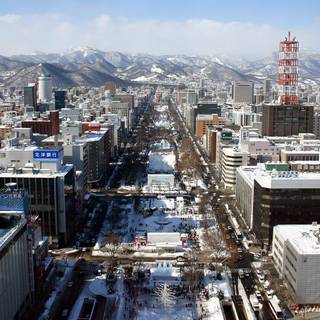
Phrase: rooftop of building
(287, 179)
(305, 238)
(247, 173)
(13, 205)
(309, 162)
(206, 117)
(30, 171)
(276, 104)
(298, 150)
(300, 136)
(9, 226)
(257, 139)
(234, 151)
(20, 147)
(91, 137)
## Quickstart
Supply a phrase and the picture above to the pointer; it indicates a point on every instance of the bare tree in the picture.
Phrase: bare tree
(165, 295)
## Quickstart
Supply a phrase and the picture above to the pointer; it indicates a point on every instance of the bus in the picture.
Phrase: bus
(234, 224)
(254, 302)
(275, 308)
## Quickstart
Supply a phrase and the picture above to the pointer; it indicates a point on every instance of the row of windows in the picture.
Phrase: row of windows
(293, 278)
(14, 282)
(278, 241)
(277, 258)
(292, 254)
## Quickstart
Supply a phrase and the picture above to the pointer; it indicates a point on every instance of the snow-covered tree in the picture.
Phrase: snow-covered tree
(165, 295)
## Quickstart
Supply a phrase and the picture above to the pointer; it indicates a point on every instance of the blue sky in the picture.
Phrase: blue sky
(283, 13)
(61, 24)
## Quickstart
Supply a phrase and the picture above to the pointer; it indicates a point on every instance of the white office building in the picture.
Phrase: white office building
(296, 255)
(232, 158)
(51, 189)
(45, 88)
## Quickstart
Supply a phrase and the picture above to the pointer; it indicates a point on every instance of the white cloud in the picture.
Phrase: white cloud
(9, 18)
(55, 33)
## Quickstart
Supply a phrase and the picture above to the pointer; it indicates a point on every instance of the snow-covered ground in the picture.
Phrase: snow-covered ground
(151, 308)
(85, 293)
(152, 215)
(60, 283)
(163, 162)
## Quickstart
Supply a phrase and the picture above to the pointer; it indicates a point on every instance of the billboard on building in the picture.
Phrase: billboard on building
(47, 155)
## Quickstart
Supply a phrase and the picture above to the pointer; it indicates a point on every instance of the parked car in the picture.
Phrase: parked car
(269, 293)
(261, 277)
(258, 294)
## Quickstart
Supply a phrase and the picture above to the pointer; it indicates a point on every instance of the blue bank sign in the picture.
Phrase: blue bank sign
(48, 155)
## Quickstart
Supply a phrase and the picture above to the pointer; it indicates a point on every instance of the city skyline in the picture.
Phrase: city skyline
(208, 27)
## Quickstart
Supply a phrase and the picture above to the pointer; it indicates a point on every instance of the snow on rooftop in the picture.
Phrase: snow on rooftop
(305, 238)
(170, 238)
(165, 272)
(287, 179)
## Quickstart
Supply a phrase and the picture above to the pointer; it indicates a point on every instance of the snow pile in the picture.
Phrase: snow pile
(161, 162)
(162, 124)
(161, 108)
(214, 308)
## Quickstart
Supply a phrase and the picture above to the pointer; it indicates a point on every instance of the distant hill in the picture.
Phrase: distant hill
(92, 67)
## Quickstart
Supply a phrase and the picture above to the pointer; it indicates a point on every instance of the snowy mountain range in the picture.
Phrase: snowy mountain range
(93, 67)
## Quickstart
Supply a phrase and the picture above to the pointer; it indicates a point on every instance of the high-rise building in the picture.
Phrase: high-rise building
(59, 99)
(267, 90)
(30, 95)
(121, 108)
(188, 96)
(16, 285)
(316, 124)
(125, 98)
(296, 257)
(258, 95)
(242, 91)
(211, 143)
(204, 120)
(232, 158)
(283, 120)
(202, 90)
(208, 107)
(51, 190)
(99, 151)
(273, 195)
(45, 88)
(288, 117)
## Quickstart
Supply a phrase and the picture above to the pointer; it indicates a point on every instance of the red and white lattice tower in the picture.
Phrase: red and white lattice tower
(288, 71)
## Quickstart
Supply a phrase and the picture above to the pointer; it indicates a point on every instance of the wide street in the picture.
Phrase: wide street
(124, 202)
